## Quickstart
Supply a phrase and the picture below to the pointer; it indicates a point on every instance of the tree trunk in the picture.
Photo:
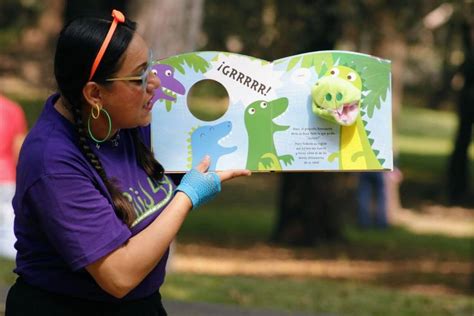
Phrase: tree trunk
(458, 170)
(310, 203)
(170, 27)
(37, 44)
(310, 208)
(389, 43)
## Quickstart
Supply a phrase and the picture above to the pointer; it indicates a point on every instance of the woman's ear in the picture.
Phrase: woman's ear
(92, 93)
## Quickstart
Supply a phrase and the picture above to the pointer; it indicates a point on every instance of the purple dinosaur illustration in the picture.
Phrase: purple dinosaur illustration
(170, 87)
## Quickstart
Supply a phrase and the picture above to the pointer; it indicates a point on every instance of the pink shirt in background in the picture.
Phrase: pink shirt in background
(12, 125)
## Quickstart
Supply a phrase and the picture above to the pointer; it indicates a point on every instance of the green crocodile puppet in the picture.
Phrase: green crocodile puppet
(260, 127)
(337, 98)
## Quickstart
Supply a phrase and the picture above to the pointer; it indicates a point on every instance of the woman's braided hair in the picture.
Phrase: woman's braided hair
(77, 45)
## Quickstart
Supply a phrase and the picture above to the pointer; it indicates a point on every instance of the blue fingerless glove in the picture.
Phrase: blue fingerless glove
(200, 187)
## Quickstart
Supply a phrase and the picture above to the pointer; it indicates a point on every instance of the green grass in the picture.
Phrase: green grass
(243, 213)
(7, 276)
(425, 141)
(311, 295)
(399, 243)
(231, 225)
(425, 124)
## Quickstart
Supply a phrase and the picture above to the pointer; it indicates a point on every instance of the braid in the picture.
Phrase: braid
(146, 159)
(123, 208)
(76, 49)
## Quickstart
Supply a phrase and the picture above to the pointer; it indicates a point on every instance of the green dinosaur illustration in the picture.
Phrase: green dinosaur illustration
(259, 117)
(362, 93)
(337, 97)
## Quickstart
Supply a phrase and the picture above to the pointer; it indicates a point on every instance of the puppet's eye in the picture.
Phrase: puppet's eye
(168, 73)
(334, 72)
(263, 105)
(154, 72)
(251, 111)
(352, 76)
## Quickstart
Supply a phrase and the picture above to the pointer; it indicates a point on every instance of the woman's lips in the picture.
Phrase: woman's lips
(149, 105)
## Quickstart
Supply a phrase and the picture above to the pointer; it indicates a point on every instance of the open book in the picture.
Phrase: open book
(319, 111)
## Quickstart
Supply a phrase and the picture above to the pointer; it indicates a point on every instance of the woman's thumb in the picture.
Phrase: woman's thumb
(204, 164)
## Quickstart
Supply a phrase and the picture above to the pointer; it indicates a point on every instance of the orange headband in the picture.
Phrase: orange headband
(118, 18)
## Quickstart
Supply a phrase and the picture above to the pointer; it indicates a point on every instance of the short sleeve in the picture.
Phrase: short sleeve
(77, 218)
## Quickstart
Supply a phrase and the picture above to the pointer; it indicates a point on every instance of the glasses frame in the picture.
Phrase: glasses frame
(143, 77)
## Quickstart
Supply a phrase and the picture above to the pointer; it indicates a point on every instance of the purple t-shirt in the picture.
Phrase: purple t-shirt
(64, 218)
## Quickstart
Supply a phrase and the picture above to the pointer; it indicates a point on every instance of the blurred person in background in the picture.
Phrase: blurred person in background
(372, 200)
(13, 129)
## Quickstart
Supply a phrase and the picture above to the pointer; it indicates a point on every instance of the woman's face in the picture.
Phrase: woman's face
(129, 102)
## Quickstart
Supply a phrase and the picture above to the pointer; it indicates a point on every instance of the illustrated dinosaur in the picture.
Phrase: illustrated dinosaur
(337, 97)
(204, 140)
(259, 117)
(169, 88)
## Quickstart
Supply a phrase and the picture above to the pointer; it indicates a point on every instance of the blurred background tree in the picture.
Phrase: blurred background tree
(458, 171)
(170, 27)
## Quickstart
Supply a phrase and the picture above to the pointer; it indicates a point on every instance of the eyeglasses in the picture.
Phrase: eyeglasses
(143, 77)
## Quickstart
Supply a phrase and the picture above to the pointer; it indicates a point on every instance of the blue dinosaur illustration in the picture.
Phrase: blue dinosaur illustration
(204, 141)
(170, 86)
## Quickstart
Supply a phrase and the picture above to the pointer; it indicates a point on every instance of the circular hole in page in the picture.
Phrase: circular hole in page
(208, 100)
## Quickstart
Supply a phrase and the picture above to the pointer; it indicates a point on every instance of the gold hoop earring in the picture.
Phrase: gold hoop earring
(97, 107)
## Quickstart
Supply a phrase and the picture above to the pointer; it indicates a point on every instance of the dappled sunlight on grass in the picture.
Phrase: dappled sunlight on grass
(425, 138)
(427, 132)
(398, 242)
(178, 292)
(426, 123)
(425, 146)
(314, 295)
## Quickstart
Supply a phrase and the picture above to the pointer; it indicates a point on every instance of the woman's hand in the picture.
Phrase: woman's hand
(201, 186)
(223, 175)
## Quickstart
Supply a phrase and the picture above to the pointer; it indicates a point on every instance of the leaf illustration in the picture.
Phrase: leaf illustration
(323, 62)
(375, 74)
(192, 60)
(293, 62)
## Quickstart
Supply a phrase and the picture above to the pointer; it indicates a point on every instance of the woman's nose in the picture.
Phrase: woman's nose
(153, 82)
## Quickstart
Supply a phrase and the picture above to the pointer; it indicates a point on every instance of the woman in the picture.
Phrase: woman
(94, 212)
